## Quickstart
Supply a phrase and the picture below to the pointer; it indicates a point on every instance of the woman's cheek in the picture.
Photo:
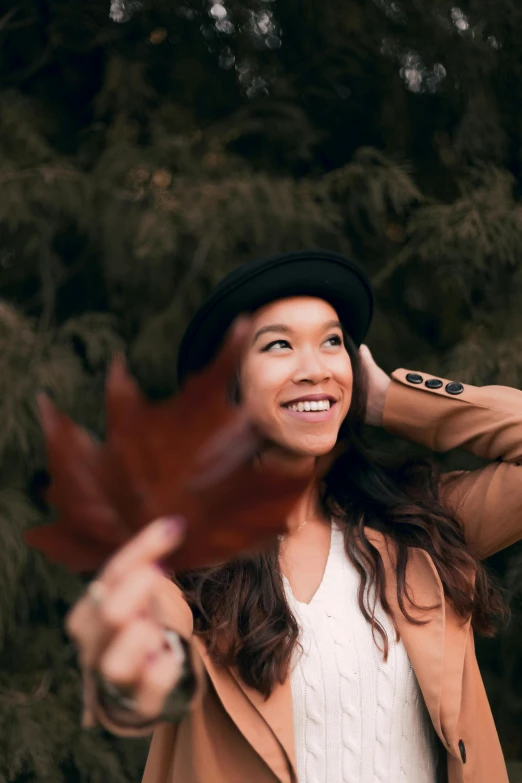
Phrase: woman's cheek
(345, 382)
(261, 382)
(347, 401)
(256, 400)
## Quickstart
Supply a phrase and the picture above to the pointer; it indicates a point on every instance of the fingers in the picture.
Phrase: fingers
(156, 541)
(158, 679)
(92, 625)
(113, 627)
(131, 597)
(137, 644)
(140, 658)
(85, 628)
(365, 353)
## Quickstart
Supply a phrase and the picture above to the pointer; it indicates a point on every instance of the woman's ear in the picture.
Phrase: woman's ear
(234, 392)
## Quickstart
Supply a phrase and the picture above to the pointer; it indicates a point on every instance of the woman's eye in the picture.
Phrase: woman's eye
(280, 343)
(335, 339)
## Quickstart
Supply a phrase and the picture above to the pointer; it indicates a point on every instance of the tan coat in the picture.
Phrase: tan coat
(233, 736)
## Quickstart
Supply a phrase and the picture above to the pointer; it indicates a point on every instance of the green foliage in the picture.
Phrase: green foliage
(139, 162)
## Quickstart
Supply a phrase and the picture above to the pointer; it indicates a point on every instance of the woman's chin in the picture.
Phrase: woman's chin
(318, 448)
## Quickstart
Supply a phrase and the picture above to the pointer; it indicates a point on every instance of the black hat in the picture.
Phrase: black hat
(320, 273)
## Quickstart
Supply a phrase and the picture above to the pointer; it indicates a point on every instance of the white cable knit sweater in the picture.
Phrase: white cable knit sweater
(356, 718)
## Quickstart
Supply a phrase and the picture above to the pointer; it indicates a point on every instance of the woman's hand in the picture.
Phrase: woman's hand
(378, 383)
(114, 625)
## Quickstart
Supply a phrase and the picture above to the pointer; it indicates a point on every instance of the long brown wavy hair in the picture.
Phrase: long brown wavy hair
(240, 609)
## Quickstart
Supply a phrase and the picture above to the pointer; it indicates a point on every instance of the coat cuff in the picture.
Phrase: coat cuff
(414, 411)
(443, 414)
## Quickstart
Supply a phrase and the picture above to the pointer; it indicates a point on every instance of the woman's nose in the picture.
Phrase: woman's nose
(311, 369)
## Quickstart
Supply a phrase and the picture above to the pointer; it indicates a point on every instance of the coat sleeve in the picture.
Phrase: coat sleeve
(174, 614)
(486, 421)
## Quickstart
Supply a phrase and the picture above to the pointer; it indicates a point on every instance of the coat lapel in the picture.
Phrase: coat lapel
(266, 725)
(277, 711)
(456, 639)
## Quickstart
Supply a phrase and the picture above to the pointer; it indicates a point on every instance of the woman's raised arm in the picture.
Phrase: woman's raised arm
(486, 421)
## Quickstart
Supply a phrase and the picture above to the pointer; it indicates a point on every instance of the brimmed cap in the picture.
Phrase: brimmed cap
(321, 273)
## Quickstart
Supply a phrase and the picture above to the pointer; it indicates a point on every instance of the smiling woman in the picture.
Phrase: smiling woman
(346, 651)
(296, 377)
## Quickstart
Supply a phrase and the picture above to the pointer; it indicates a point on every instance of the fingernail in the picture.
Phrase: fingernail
(173, 526)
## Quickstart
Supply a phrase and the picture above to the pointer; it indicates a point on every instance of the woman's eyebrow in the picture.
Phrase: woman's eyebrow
(271, 328)
(333, 325)
(287, 330)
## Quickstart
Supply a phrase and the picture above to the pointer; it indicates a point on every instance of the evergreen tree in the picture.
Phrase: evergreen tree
(144, 155)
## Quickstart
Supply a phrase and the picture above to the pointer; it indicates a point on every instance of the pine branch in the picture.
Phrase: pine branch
(402, 258)
(6, 18)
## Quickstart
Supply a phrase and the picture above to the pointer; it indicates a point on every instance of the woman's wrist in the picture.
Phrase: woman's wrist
(378, 383)
(376, 402)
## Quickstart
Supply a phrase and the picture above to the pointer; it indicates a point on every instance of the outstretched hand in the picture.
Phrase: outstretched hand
(378, 382)
(115, 624)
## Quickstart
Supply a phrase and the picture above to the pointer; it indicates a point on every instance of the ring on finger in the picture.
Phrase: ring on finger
(96, 592)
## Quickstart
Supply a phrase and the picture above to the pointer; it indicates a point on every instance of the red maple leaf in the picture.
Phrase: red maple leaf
(191, 455)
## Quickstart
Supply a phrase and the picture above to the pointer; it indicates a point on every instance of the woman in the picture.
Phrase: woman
(346, 653)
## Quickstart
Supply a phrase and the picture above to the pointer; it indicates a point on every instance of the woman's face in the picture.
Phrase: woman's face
(296, 375)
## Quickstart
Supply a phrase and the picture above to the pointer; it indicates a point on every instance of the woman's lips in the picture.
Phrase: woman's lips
(311, 416)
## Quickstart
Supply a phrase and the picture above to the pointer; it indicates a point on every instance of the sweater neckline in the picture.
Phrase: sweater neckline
(335, 535)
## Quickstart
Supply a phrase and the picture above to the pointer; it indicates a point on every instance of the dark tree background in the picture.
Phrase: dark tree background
(143, 155)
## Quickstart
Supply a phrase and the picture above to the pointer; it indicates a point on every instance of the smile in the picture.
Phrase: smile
(312, 410)
(310, 405)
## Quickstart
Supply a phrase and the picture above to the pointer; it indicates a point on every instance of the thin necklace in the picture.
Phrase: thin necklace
(286, 535)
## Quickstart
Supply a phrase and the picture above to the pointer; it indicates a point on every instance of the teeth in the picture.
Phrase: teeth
(315, 405)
